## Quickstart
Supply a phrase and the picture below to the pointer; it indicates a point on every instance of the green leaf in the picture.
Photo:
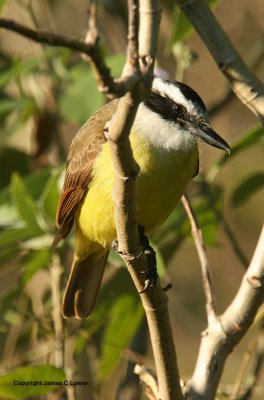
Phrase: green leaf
(49, 198)
(28, 381)
(26, 108)
(38, 242)
(81, 98)
(175, 224)
(110, 291)
(207, 220)
(116, 63)
(247, 188)
(7, 105)
(2, 3)
(170, 235)
(35, 261)
(6, 75)
(34, 184)
(11, 236)
(23, 202)
(207, 205)
(8, 216)
(252, 137)
(12, 160)
(124, 319)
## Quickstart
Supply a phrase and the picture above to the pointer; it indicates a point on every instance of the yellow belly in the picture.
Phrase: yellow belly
(163, 178)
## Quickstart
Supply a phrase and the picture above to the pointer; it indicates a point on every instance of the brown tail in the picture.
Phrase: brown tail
(83, 285)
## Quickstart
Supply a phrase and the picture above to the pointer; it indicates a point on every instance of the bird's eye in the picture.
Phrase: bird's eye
(179, 108)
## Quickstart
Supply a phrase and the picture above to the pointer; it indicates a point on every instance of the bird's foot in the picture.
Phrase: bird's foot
(152, 274)
(114, 245)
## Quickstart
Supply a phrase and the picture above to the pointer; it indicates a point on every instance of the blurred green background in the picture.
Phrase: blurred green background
(46, 95)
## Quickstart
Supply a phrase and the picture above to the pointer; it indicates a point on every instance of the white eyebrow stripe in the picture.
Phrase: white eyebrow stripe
(172, 91)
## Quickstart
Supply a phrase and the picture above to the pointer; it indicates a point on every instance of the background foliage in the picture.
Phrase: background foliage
(46, 94)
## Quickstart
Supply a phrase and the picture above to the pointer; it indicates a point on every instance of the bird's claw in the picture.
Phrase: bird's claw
(152, 275)
(114, 245)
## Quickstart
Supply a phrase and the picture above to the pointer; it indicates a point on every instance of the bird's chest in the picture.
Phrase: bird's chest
(163, 179)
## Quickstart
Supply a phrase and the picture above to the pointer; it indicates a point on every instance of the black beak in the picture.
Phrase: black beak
(209, 136)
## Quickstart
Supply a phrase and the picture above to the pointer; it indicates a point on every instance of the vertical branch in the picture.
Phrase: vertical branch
(55, 273)
(126, 171)
(206, 270)
(132, 65)
(100, 70)
(150, 14)
(154, 299)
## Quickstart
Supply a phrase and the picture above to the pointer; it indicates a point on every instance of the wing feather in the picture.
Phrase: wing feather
(84, 149)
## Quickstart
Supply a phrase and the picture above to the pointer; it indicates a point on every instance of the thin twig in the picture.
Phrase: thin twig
(149, 380)
(92, 33)
(14, 332)
(226, 226)
(109, 86)
(244, 83)
(55, 272)
(240, 380)
(255, 376)
(132, 37)
(49, 38)
(205, 266)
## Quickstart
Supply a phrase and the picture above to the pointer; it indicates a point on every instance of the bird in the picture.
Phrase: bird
(164, 137)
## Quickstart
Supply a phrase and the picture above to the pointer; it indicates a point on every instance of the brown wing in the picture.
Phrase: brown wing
(84, 149)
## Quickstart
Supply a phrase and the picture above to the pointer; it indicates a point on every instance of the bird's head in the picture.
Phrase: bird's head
(174, 115)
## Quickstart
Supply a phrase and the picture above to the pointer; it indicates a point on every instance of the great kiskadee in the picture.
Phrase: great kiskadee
(164, 140)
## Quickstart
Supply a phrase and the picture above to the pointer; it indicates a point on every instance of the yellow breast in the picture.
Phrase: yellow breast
(164, 175)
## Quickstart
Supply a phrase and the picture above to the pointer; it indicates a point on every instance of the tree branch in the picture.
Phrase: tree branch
(107, 84)
(154, 299)
(255, 376)
(206, 269)
(49, 38)
(150, 382)
(243, 82)
(220, 338)
(254, 351)
(226, 226)
(55, 273)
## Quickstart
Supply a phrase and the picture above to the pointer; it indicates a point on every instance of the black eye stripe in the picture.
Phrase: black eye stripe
(166, 107)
